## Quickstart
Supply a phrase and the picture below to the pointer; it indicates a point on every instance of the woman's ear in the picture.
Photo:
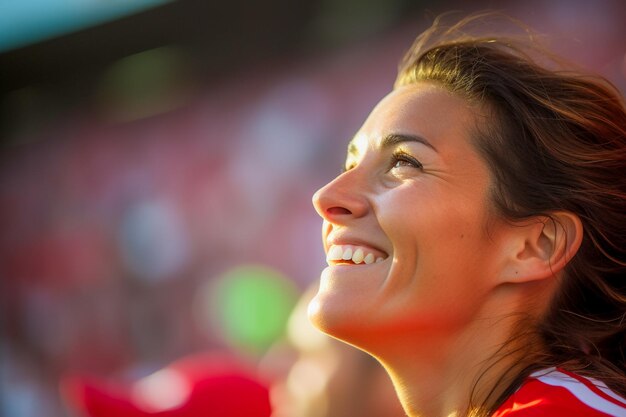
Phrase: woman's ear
(541, 247)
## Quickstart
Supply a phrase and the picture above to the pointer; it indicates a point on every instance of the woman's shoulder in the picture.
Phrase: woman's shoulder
(555, 392)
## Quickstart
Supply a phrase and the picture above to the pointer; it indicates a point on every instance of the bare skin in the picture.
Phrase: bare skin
(446, 282)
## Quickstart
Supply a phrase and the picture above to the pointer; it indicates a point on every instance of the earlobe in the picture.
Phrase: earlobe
(542, 247)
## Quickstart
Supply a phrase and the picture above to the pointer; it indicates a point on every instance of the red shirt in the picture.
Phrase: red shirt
(555, 392)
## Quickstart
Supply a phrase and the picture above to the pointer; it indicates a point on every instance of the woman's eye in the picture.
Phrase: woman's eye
(401, 159)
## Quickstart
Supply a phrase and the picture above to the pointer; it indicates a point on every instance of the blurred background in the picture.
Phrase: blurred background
(157, 161)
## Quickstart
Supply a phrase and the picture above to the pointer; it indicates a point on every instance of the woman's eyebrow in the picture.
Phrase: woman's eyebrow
(394, 139)
(352, 149)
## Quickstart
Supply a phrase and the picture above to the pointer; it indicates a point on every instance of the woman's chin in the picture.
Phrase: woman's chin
(335, 316)
(322, 314)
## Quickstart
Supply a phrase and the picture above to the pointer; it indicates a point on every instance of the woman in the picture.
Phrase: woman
(476, 240)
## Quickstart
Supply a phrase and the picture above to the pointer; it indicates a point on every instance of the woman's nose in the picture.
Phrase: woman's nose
(341, 199)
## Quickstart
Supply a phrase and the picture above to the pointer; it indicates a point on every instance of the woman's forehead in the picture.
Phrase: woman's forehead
(423, 112)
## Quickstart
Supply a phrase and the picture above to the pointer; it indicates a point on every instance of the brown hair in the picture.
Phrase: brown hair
(557, 141)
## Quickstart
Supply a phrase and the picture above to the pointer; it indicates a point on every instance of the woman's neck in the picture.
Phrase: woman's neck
(448, 373)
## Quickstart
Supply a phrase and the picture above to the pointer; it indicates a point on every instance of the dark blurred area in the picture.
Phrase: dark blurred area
(213, 40)
(156, 171)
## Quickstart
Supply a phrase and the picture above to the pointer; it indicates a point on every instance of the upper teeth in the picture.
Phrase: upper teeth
(346, 253)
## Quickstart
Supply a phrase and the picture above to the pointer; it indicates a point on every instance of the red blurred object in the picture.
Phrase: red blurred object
(196, 386)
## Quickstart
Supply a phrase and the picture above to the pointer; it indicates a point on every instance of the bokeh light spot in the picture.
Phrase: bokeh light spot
(252, 305)
(164, 390)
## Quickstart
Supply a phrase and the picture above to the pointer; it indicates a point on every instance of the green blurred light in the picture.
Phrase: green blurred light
(144, 84)
(253, 304)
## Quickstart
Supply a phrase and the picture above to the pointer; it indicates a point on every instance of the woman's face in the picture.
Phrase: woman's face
(405, 226)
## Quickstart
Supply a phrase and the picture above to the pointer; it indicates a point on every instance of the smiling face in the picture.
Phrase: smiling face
(405, 226)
